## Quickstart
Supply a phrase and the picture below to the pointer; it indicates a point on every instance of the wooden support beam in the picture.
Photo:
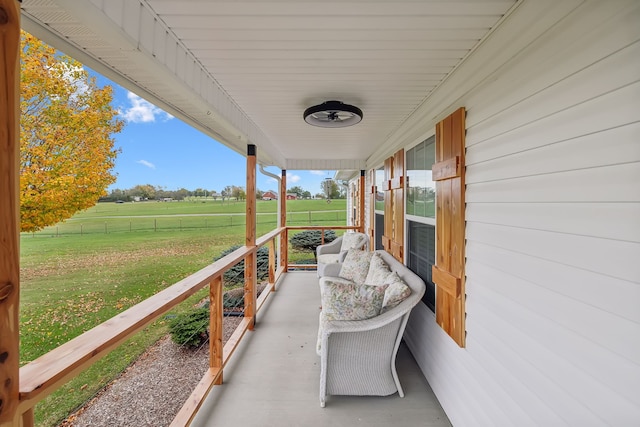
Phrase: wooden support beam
(284, 238)
(250, 267)
(9, 208)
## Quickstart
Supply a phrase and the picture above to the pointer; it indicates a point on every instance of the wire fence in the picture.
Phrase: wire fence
(107, 225)
(232, 301)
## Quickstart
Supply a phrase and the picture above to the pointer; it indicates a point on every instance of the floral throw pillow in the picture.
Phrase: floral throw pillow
(396, 292)
(355, 266)
(353, 241)
(378, 271)
(349, 301)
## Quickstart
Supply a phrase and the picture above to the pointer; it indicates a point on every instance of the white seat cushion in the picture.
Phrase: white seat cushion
(329, 258)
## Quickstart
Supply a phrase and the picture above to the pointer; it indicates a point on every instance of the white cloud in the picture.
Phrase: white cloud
(319, 173)
(147, 164)
(292, 177)
(142, 111)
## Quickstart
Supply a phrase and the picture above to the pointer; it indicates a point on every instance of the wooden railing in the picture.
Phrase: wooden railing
(47, 373)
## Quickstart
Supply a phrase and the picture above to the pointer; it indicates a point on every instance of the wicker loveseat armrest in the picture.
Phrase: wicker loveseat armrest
(330, 248)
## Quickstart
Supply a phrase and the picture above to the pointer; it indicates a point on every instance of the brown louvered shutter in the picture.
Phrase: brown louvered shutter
(448, 273)
(393, 238)
(372, 209)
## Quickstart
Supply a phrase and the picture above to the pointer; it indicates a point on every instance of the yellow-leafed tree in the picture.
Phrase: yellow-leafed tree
(66, 145)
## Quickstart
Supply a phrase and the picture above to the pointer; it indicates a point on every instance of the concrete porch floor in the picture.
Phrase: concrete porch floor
(273, 378)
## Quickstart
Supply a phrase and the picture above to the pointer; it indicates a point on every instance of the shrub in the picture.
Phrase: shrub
(235, 275)
(309, 240)
(233, 298)
(190, 329)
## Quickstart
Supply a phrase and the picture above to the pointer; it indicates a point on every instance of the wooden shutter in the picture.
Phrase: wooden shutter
(448, 273)
(393, 238)
(357, 200)
(372, 209)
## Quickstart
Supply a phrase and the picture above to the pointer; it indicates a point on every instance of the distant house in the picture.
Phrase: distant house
(292, 196)
(270, 195)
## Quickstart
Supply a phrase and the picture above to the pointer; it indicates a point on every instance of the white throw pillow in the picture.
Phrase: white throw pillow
(355, 266)
(350, 301)
(353, 241)
(396, 291)
(378, 271)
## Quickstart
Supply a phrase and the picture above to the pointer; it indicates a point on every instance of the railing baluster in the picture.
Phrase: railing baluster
(250, 274)
(285, 250)
(272, 262)
(216, 326)
(28, 420)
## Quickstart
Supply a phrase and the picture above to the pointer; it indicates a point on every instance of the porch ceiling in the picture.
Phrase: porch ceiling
(244, 71)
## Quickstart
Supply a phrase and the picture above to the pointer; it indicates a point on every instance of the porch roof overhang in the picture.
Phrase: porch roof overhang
(244, 71)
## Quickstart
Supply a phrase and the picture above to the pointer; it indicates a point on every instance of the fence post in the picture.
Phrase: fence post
(81, 229)
(155, 224)
(309, 217)
(105, 227)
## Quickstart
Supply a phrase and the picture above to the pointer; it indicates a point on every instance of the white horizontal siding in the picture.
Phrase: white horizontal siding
(553, 233)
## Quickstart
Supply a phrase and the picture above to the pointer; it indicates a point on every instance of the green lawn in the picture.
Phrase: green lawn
(73, 282)
(106, 218)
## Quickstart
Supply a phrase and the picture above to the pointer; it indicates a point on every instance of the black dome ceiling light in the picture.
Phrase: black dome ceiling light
(333, 114)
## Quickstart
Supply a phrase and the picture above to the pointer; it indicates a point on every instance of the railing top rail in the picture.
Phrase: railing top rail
(42, 376)
(322, 227)
(260, 241)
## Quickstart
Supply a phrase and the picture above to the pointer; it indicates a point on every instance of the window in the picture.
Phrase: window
(420, 208)
(422, 256)
(379, 230)
(380, 191)
(421, 190)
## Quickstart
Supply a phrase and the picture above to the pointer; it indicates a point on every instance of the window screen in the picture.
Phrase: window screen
(422, 255)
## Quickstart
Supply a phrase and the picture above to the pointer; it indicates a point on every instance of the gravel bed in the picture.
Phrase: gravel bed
(151, 391)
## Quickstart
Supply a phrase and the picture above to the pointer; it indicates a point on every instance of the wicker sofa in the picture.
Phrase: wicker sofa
(358, 356)
(335, 251)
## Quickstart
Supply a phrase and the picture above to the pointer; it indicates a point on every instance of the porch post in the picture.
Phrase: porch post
(361, 200)
(9, 208)
(284, 240)
(250, 268)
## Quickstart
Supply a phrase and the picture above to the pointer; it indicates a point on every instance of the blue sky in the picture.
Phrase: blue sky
(161, 150)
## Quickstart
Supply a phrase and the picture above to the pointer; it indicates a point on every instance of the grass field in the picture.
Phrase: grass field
(108, 218)
(73, 282)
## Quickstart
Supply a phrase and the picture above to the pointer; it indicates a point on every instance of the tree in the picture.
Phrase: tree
(145, 192)
(330, 188)
(238, 192)
(66, 148)
(297, 190)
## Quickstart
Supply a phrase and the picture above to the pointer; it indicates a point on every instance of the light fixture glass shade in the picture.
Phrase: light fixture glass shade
(333, 114)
